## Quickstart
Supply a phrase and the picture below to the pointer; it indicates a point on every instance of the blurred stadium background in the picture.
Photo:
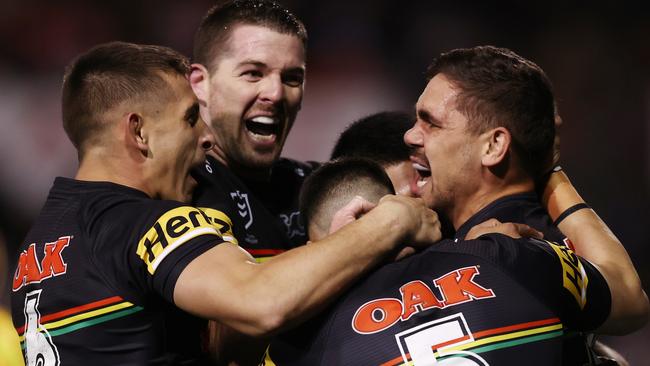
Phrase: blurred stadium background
(364, 56)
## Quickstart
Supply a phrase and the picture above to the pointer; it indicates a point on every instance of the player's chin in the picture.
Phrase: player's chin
(263, 159)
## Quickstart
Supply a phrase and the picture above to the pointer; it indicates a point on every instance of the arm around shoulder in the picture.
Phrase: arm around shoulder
(225, 284)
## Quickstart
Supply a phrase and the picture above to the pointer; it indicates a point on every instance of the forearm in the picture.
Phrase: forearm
(593, 241)
(261, 299)
(305, 279)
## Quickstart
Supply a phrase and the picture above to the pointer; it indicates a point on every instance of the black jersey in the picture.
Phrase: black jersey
(494, 301)
(525, 208)
(520, 208)
(265, 215)
(96, 274)
(523, 301)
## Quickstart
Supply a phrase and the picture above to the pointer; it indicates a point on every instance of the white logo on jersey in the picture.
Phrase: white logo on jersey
(243, 207)
(293, 225)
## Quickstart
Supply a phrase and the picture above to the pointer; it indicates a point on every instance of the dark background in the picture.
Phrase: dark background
(363, 57)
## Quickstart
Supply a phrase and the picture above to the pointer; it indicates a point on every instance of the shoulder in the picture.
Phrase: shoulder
(290, 167)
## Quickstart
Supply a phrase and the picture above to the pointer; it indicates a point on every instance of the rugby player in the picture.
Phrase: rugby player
(249, 75)
(484, 134)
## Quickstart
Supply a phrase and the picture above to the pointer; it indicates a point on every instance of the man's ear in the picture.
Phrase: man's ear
(200, 82)
(497, 143)
(135, 135)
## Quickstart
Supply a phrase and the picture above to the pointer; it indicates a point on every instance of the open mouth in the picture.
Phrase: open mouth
(424, 173)
(264, 128)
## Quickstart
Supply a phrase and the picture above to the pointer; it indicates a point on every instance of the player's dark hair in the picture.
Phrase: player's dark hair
(335, 183)
(497, 87)
(215, 29)
(108, 75)
(378, 137)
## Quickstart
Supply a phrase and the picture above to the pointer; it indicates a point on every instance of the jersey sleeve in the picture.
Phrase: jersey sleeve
(153, 242)
(566, 282)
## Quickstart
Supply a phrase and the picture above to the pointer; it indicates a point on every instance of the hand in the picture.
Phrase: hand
(511, 229)
(411, 214)
(350, 212)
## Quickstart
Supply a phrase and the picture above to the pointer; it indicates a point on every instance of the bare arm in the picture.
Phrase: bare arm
(594, 241)
(224, 284)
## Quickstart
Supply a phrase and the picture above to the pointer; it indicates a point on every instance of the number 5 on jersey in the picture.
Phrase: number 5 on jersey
(429, 343)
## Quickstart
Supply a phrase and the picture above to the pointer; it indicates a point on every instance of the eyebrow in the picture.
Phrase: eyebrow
(425, 115)
(192, 112)
(251, 62)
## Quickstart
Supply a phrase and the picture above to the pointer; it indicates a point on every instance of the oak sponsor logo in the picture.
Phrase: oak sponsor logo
(456, 287)
(31, 270)
(178, 226)
(574, 276)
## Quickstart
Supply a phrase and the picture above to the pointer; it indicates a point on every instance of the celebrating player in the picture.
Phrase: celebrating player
(249, 78)
(484, 134)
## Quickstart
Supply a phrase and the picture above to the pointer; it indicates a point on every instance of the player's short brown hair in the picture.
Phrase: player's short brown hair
(497, 87)
(215, 29)
(108, 75)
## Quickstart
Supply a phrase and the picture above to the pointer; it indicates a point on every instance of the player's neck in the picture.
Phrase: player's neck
(97, 168)
(485, 195)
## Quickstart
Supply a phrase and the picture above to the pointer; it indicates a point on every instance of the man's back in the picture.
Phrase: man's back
(487, 299)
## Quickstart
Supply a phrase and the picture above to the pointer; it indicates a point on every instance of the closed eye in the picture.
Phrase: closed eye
(252, 75)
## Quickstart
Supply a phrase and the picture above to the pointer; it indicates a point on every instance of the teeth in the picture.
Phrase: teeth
(421, 167)
(421, 183)
(264, 120)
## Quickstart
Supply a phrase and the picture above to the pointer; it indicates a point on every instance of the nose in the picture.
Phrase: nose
(413, 137)
(206, 137)
(271, 89)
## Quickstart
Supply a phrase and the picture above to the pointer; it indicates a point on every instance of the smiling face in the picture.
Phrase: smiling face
(255, 91)
(177, 140)
(446, 155)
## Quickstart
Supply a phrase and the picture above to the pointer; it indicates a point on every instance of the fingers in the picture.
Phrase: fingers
(357, 207)
(405, 252)
(350, 212)
(421, 223)
(527, 231)
(513, 230)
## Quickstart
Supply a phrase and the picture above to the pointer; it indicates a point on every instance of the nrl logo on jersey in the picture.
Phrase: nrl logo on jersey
(30, 270)
(243, 207)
